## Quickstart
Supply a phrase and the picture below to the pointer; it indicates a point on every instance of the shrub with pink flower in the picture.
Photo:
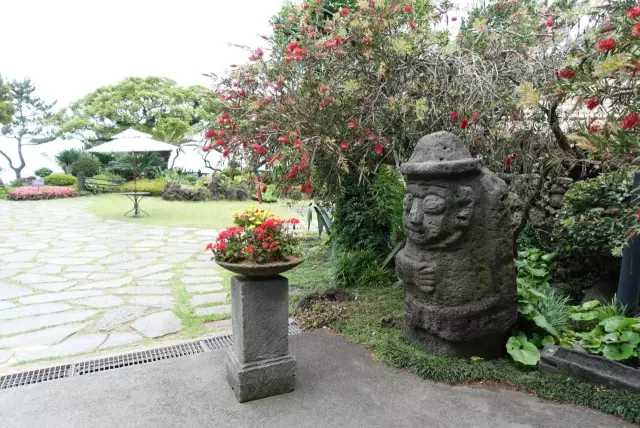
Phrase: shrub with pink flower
(33, 193)
(269, 241)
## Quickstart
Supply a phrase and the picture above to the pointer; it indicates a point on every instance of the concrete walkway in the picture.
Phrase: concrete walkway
(338, 385)
(74, 284)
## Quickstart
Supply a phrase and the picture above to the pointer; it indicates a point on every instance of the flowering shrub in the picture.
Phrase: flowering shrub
(251, 217)
(269, 241)
(32, 193)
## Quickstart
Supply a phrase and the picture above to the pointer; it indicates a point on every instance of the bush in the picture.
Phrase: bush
(43, 172)
(177, 192)
(155, 186)
(30, 193)
(359, 268)
(87, 165)
(60, 179)
(106, 176)
(597, 215)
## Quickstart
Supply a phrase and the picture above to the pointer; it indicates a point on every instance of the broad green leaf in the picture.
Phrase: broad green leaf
(523, 351)
(542, 322)
(618, 352)
(617, 323)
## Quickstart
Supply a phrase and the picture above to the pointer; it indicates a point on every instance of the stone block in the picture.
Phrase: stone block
(260, 379)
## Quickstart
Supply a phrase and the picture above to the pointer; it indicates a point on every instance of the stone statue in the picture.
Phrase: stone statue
(457, 264)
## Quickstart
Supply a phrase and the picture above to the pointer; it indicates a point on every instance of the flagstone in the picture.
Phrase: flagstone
(112, 283)
(117, 317)
(213, 310)
(35, 278)
(33, 310)
(5, 356)
(149, 270)
(54, 286)
(158, 324)
(18, 256)
(47, 336)
(102, 301)
(73, 346)
(8, 291)
(21, 325)
(143, 290)
(6, 305)
(204, 288)
(205, 299)
(57, 297)
(155, 301)
(121, 339)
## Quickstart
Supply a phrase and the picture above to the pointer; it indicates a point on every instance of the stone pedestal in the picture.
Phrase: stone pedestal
(259, 364)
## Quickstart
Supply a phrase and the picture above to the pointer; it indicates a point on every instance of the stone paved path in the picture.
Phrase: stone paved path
(71, 283)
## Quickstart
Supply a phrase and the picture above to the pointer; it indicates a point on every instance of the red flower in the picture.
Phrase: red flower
(633, 12)
(344, 11)
(453, 116)
(592, 103)
(297, 144)
(307, 188)
(407, 8)
(475, 116)
(549, 22)
(305, 6)
(219, 143)
(284, 139)
(565, 74)
(605, 45)
(293, 220)
(638, 216)
(464, 123)
(508, 161)
(630, 121)
(226, 152)
(352, 124)
(211, 133)
(249, 249)
(635, 30)
(413, 25)
(209, 246)
(206, 147)
(293, 172)
(323, 89)
(344, 146)
(378, 148)
(259, 149)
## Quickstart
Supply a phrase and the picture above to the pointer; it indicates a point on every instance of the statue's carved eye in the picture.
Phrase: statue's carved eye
(434, 204)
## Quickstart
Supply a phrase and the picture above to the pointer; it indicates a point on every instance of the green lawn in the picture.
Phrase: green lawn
(212, 214)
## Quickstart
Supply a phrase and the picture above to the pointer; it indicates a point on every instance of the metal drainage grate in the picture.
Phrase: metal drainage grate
(135, 358)
(34, 376)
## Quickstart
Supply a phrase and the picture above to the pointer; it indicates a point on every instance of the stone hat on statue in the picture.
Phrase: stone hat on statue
(440, 154)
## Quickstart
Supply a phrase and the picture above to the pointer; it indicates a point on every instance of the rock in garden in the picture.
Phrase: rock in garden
(457, 264)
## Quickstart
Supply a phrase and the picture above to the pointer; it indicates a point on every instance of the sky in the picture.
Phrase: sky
(69, 48)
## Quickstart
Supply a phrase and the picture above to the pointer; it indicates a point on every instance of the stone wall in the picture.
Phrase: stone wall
(547, 203)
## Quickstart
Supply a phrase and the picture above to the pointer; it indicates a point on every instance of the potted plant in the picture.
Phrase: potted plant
(259, 246)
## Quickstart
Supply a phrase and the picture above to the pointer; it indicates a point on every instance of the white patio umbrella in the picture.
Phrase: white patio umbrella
(132, 141)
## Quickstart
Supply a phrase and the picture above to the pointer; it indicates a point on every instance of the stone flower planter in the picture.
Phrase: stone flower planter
(258, 363)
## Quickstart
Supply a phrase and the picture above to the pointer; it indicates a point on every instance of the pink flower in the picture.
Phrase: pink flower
(256, 55)
(407, 8)
(211, 133)
(635, 30)
(549, 22)
(633, 12)
(344, 11)
(605, 45)
(352, 124)
(259, 149)
(307, 187)
(378, 148)
(464, 123)
(453, 116)
(344, 146)
(293, 220)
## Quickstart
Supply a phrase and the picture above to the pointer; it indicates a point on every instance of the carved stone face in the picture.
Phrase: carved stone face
(436, 214)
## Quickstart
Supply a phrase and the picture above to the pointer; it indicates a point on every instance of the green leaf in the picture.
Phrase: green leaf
(591, 304)
(584, 316)
(630, 337)
(542, 322)
(618, 352)
(548, 340)
(617, 323)
(523, 351)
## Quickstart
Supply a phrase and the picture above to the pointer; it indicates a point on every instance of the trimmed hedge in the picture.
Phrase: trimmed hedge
(60, 179)
(155, 186)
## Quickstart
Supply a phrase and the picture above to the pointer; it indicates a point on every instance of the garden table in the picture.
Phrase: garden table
(136, 197)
